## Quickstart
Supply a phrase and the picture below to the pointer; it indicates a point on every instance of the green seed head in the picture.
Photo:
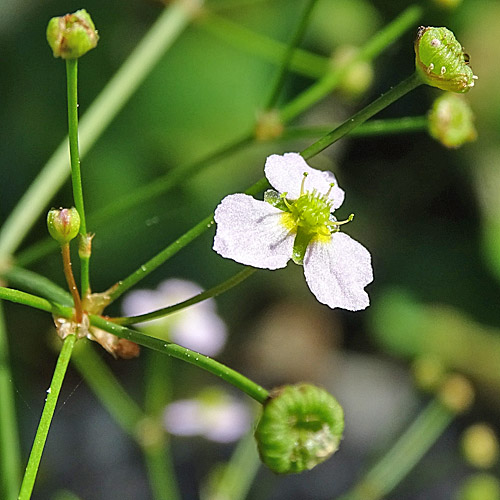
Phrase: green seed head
(300, 427)
(441, 61)
(73, 35)
(63, 224)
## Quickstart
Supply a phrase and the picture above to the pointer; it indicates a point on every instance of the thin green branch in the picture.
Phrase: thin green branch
(302, 61)
(207, 294)
(253, 390)
(372, 128)
(10, 461)
(103, 110)
(287, 57)
(238, 474)
(76, 175)
(33, 301)
(381, 479)
(46, 418)
(369, 51)
(37, 284)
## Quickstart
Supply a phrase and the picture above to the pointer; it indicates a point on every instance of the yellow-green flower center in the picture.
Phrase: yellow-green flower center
(311, 212)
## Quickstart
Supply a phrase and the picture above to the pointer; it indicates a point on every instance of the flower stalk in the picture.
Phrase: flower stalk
(46, 418)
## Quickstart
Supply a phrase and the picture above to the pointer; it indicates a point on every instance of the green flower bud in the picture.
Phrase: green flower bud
(441, 61)
(300, 427)
(480, 487)
(480, 446)
(73, 35)
(63, 224)
(358, 77)
(451, 121)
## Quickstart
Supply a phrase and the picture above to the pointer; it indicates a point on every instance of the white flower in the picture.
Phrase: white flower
(213, 414)
(297, 224)
(198, 327)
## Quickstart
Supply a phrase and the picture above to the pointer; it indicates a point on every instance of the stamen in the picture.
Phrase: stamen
(285, 201)
(302, 184)
(340, 222)
(332, 184)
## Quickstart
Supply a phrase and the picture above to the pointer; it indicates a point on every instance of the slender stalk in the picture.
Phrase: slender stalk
(33, 301)
(37, 284)
(108, 390)
(103, 110)
(377, 44)
(303, 62)
(46, 418)
(254, 390)
(161, 471)
(207, 294)
(76, 175)
(361, 116)
(70, 279)
(287, 58)
(404, 455)
(10, 462)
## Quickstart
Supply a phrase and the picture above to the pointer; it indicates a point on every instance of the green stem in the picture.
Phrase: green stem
(103, 110)
(287, 58)
(161, 472)
(76, 175)
(46, 419)
(37, 284)
(254, 390)
(157, 452)
(302, 62)
(377, 44)
(207, 294)
(372, 128)
(108, 390)
(361, 116)
(33, 301)
(229, 375)
(9, 435)
(404, 455)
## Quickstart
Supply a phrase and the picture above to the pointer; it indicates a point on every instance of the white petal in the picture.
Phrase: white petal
(285, 173)
(337, 272)
(251, 232)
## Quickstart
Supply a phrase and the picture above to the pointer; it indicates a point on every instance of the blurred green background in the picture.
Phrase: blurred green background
(430, 217)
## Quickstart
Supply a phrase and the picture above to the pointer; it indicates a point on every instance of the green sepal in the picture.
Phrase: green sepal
(73, 35)
(302, 240)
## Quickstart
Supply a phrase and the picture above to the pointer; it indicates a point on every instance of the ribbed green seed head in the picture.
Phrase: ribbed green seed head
(300, 427)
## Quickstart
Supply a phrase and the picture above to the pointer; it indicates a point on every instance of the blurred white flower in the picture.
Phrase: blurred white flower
(296, 222)
(214, 415)
(198, 327)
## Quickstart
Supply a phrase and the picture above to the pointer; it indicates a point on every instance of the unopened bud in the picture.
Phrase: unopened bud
(457, 393)
(63, 224)
(441, 61)
(480, 446)
(73, 35)
(451, 121)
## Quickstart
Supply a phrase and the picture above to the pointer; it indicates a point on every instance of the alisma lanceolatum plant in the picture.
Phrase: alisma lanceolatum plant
(299, 425)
